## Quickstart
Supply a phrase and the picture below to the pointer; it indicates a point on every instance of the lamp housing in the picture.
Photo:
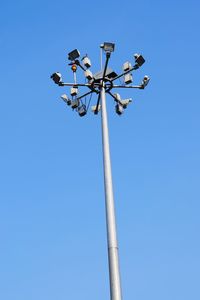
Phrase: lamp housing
(94, 107)
(126, 66)
(119, 109)
(82, 111)
(128, 78)
(65, 98)
(125, 102)
(110, 74)
(88, 74)
(86, 61)
(74, 103)
(117, 97)
(74, 54)
(74, 91)
(56, 77)
(108, 47)
(145, 81)
(139, 59)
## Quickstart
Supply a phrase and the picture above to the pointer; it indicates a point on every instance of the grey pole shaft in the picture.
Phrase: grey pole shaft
(114, 272)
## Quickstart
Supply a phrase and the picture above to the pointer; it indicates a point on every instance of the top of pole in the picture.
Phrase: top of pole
(93, 82)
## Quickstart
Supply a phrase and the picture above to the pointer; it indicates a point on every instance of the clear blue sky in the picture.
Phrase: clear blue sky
(52, 221)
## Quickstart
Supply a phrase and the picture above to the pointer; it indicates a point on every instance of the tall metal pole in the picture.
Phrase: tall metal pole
(114, 272)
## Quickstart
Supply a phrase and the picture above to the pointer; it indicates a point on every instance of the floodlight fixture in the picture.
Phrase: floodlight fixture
(125, 102)
(108, 47)
(88, 74)
(94, 108)
(86, 61)
(74, 91)
(126, 66)
(75, 103)
(65, 98)
(56, 77)
(82, 111)
(119, 109)
(74, 54)
(117, 97)
(139, 59)
(128, 78)
(145, 81)
(110, 74)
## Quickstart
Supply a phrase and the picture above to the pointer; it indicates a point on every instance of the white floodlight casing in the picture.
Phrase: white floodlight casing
(119, 109)
(128, 78)
(145, 81)
(94, 107)
(117, 97)
(125, 102)
(75, 103)
(127, 66)
(65, 99)
(86, 61)
(82, 111)
(88, 74)
(74, 91)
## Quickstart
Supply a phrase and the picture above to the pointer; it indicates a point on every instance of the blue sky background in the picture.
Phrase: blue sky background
(52, 220)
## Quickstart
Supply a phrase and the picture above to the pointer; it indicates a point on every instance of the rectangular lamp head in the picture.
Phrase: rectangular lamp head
(65, 99)
(82, 110)
(88, 74)
(109, 73)
(74, 54)
(108, 47)
(128, 78)
(75, 103)
(56, 77)
(74, 91)
(139, 59)
(127, 66)
(86, 61)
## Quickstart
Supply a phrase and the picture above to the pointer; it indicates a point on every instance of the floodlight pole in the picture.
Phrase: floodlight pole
(114, 272)
(101, 86)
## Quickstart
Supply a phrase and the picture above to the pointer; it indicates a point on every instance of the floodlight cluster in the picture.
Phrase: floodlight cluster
(94, 82)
